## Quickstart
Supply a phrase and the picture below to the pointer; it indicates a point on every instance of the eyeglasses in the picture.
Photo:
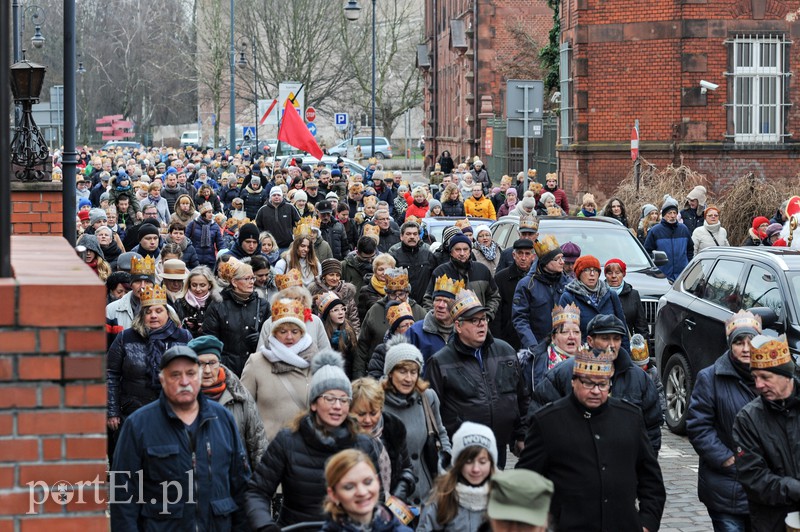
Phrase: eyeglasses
(476, 321)
(592, 270)
(332, 399)
(398, 294)
(247, 279)
(590, 385)
(212, 365)
(712, 215)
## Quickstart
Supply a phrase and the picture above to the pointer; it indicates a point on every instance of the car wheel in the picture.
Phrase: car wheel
(678, 390)
(379, 156)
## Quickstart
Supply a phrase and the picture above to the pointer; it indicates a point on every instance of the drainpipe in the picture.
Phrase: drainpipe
(476, 126)
(435, 84)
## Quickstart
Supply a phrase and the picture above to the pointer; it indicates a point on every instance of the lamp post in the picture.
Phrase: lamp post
(242, 47)
(37, 15)
(28, 149)
(351, 12)
(232, 132)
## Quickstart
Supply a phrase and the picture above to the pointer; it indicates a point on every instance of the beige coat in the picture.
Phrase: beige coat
(315, 328)
(280, 390)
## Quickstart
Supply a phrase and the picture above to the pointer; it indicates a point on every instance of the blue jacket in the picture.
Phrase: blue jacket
(718, 395)
(607, 303)
(155, 441)
(423, 335)
(676, 241)
(531, 310)
(206, 255)
(534, 363)
(629, 383)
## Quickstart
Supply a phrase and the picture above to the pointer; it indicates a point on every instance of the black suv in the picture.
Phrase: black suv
(719, 281)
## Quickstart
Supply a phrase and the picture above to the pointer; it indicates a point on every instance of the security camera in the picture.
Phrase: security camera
(706, 86)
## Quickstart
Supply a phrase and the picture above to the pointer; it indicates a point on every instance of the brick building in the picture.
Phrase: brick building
(623, 61)
(469, 51)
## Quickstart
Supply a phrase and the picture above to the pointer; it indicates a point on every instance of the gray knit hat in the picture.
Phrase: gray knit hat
(469, 434)
(401, 350)
(327, 368)
(95, 215)
(647, 208)
(669, 204)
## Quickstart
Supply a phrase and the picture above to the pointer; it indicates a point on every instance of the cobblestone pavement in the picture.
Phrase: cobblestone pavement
(684, 512)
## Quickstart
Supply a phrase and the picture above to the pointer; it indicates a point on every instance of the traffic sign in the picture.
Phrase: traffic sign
(249, 132)
(341, 120)
(312, 127)
(265, 111)
(311, 114)
(634, 143)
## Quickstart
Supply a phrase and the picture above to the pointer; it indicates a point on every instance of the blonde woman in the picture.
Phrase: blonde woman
(375, 287)
(452, 204)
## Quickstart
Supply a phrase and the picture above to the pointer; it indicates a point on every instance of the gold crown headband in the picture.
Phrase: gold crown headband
(153, 295)
(143, 266)
(569, 314)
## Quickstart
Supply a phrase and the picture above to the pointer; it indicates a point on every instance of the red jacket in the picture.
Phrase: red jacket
(414, 210)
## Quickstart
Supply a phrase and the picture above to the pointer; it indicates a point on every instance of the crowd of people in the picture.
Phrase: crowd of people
(289, 344)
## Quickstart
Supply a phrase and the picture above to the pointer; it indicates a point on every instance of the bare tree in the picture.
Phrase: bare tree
(213, 57)
(398, 86)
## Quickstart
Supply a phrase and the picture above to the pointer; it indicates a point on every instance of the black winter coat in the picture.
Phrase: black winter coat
(629, 383)
(691, 219)
(394, 440)
(492, 393)
(501, 326)
(420, 263)
(767, 435)
(334, 234)
(130, 386)
(233, 322)
(633, 310)
(296, 461)
(279, 221)
(253, 201)
(453, 208)
(600, 462)
(227, 195)
(719, 394)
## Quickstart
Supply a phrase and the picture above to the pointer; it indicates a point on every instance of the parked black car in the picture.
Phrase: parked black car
(719, 281)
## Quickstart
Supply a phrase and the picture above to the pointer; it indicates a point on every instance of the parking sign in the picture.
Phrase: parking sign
(340, 120)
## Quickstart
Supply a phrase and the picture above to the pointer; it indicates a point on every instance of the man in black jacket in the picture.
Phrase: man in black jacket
(332, 231)
(478, 378)
(596, 451)
(279, 217)
(415, 256)
(766, 432)
(502, 326)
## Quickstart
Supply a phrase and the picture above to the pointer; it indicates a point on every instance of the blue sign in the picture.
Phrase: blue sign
(249, 132)
(213, 119)
(312, 128)
(340, 120)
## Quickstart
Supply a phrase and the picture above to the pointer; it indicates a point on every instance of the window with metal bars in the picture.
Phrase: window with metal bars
(757, 99)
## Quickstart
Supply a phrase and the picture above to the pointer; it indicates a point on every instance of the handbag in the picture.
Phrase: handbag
(433, 444)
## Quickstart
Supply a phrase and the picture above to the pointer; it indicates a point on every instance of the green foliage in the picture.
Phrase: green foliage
(549, 54)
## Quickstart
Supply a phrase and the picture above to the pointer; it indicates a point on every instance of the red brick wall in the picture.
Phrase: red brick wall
(37, 208)
(52, 387)
(645, 61)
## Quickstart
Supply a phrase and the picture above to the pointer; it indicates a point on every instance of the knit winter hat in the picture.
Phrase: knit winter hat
(459, 239)
(248, 231)
(432, 204)
(771, 354)
(401, 350)
(331, 266)
(546, 196)
(571, 252)
(207, 345)
(449, 233)
(618, 262)
(584, 262)
(96, 215)
(743, 322)
(474, 434)
(147, 228)
(647, 208)
(255, 180)
(276, 191)
(527, 205)
(205, 207)
(300, 196)
(774, 229)
(327, 368)
(669, 204)
(758, 221)
(482, 228)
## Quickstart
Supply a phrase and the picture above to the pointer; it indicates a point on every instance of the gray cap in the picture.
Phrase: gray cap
(96, 215)
(327, 367)
(178, 351)
(521, 496)
(124, 260)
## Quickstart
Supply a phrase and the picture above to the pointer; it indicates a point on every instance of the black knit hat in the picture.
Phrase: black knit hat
(148, 227)
(248, 231)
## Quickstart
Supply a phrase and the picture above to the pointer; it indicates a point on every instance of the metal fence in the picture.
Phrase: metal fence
(506, 157)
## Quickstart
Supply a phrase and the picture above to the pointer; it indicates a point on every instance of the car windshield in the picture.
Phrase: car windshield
(602, 241)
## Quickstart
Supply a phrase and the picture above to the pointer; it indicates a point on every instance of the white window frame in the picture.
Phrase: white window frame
(757, 83)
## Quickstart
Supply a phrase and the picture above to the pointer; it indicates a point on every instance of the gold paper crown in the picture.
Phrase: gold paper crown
(554, 211)
(226, 270)
(561, 315)
(742, 319)
(143, 266)
(325, 300)
(465, 300)
(531, 172)
(370, 200)
(287, 308)
(396, 312)
(639, 350)
(153, 295)
(551, 175)
(544, 245)
(771, 353)
(461, 224)
(396, 279)
(291, 278)
(591, 364)
(301, 230)
(528, 222)
(372, 230)
(446, 284)
(413, 218)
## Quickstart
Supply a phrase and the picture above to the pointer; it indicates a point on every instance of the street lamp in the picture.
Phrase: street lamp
(232, 131)
(351, 12)
(28, 148)
(242, 47)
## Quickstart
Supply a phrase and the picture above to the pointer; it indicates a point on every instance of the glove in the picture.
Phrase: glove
(444, 461)
(402, 491)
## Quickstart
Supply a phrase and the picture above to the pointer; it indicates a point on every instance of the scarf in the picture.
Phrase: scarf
(156, 345)
(384, 462)
(93, 265)
(617, 289)
(197, 302)
(488, 251)
(423, 203)
(278, 352)
(216, 390)
(473, 498)
(205, 237)
(549, 278)
(273, 257)
(555, 355)
(588, 214)
(379, 286)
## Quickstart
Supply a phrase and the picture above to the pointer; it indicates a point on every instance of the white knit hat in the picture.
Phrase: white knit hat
(327, 368)
(400, 350)
(469, 434)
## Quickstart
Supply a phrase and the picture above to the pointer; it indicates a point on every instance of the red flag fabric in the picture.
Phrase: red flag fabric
(295, 133)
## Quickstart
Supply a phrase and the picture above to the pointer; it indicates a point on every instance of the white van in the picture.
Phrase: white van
(190, 138)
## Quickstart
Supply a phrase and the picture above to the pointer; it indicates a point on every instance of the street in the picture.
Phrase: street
(684, 512)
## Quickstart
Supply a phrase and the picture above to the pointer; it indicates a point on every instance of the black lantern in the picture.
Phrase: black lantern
(28, 148)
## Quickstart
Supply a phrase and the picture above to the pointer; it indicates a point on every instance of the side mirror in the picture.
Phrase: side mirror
(660, 258)
(769, 319)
